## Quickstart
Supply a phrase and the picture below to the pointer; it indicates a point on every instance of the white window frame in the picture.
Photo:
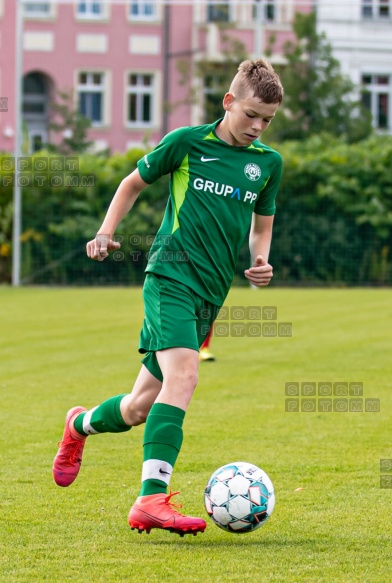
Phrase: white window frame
(139, 90)
(231, 15)
(50, 13)
(89, 14)
(43, 134)
(90, 87)
(374, 8)
(266, 6)
(142, 16)
(375, 89)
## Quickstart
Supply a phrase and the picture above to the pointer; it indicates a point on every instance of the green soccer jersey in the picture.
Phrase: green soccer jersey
(214, 189)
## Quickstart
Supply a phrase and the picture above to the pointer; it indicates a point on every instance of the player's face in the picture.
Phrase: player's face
(245, 119)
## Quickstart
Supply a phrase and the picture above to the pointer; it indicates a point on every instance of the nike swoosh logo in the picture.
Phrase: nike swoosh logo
(203, 159)
(163, 472)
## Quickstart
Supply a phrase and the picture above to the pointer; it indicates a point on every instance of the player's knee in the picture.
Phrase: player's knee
(184, 379)
(193, 379)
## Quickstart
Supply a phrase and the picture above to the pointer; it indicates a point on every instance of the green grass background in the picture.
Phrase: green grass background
(65, 347)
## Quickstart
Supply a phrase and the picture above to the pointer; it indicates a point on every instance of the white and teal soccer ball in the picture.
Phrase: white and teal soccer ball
(239, 497)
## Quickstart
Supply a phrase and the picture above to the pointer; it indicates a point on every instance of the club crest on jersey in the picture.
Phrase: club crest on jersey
(252, 171)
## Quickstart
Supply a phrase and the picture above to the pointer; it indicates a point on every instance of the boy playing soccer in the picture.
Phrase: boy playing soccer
(223, 181)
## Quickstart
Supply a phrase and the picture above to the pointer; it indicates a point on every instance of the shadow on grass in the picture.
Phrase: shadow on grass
(238, 543)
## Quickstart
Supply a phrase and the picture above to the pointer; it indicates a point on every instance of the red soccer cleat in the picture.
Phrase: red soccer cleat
(156, 511)
(67, 462)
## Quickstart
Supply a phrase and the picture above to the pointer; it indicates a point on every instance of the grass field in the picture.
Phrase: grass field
(64, 347)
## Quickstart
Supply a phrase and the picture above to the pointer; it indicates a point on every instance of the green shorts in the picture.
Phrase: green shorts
(175, 316)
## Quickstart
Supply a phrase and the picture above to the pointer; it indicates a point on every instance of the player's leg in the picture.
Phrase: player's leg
(136, 405)
(163, 433)
(115, 415)
(162, 442)
(170, 336)
(179, 321)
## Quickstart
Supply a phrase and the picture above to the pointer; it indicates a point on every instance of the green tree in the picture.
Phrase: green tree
(70, 124)
(214, 76)
(59, 219)
(333, 223)
(318, 96)
(217, 77)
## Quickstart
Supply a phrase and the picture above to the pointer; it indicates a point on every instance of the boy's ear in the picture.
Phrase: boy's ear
(227, 101)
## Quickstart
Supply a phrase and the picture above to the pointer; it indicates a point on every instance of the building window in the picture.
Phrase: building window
(34, 95)
(378, 98)
(38, 9)
(35, 108)
(141, 10)
(218, 12)
(375, 9)
(90, 9)
(384, 8)
(140, 99)
(264, 11)
(91, 92)
(367, 8)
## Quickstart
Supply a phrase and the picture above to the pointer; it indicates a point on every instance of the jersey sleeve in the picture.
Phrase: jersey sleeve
(265, 204)
(166, 157)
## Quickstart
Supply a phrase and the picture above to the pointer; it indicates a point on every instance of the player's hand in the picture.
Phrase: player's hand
(98, 249)
(261, 272)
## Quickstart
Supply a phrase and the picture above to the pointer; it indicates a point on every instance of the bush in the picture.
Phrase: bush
(333, 221)
(334, 212)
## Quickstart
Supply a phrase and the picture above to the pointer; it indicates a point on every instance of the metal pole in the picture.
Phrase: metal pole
(166, 69)
(17, 218)
(259, 28)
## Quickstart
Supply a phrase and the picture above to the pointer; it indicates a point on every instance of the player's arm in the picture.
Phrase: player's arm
(122, 202)
(260, 237)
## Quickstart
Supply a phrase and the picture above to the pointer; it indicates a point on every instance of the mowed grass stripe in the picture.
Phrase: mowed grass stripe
(62, 347)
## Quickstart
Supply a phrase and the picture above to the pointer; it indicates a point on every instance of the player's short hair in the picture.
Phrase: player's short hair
(259, 77)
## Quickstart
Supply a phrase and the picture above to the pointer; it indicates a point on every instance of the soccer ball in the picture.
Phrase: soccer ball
(239, 497)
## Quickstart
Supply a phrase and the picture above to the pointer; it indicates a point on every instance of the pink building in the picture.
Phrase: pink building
(120, 60)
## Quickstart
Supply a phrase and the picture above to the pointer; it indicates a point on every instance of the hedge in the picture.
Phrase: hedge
(333, 224)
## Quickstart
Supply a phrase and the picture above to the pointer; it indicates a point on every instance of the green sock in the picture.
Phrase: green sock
(161, 446)
(106, 418)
